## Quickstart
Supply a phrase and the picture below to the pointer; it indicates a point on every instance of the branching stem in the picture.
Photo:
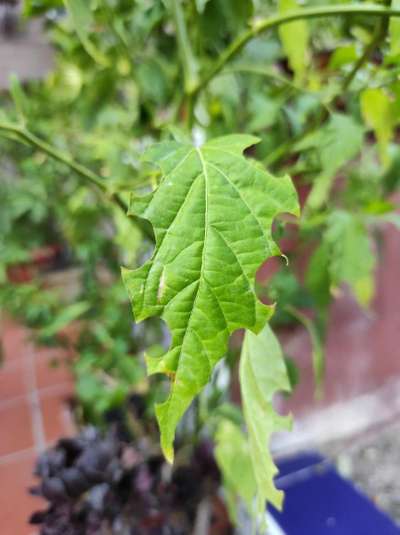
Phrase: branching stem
(189, 63)
(378, 36)
(27, 136)
(24, 135)
(275, 21)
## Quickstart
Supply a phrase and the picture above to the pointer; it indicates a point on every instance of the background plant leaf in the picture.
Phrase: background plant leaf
(82, 19)
(337, 142)
(351, 255)
(67, 315)
(377, 110)
(295, 37)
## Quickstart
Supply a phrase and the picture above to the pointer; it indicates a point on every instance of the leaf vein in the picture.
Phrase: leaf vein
(240, 195)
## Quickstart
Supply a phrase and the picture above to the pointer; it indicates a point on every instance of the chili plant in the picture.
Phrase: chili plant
(189, 119)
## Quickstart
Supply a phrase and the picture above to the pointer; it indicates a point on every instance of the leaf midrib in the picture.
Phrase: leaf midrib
(201, 273)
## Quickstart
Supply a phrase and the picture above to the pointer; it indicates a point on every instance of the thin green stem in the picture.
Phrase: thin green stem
(263, 71)
(122, 43)
(278, 153)
(189, 64)
(274, 77)
(56, 154)
(24, 135)
(378, 36)
(275, 21)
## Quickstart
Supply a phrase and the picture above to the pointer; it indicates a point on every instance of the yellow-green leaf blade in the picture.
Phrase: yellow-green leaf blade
(378, 112)
(232, 455)
(262, 374)
(394, 30)
(295, 37)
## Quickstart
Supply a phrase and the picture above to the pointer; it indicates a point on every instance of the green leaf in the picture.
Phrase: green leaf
(221, 18)
(263, 111)
(352, 260)
(394, 30)
(127, 237)
(317, 277)
(189, 63)
(233, 458)
(343, 55)
(200, 5)
(152, 81)
(338, 142)
(262, 374)
(82, 19)
(295, 37)
(38, 7)
(344, 256)
(377, 110)
(67, 315)
(341, 140)
(236, 14)
(212, 215)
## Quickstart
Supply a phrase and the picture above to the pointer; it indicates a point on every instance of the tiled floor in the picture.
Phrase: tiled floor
(34, 389)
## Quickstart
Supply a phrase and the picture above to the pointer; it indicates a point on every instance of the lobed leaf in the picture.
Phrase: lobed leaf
(212, 215)
(338, 142)
(262, 374)
(233, 458)
(352, 260)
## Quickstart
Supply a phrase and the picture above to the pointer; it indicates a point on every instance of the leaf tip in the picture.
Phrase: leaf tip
(166, 441)
(168, 454)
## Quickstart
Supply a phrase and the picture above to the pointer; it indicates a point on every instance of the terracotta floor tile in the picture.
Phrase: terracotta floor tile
(15, 340)
(13, 379)
(16, 427)
(16, 504)
(57, 419)
(51, 367)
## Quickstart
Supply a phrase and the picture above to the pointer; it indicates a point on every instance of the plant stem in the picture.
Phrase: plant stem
(274, 77)
(275, 21)
(378, 36)
(89, 176)
(279, 152)
(189, 63)
(54, 153)
(122, 43)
